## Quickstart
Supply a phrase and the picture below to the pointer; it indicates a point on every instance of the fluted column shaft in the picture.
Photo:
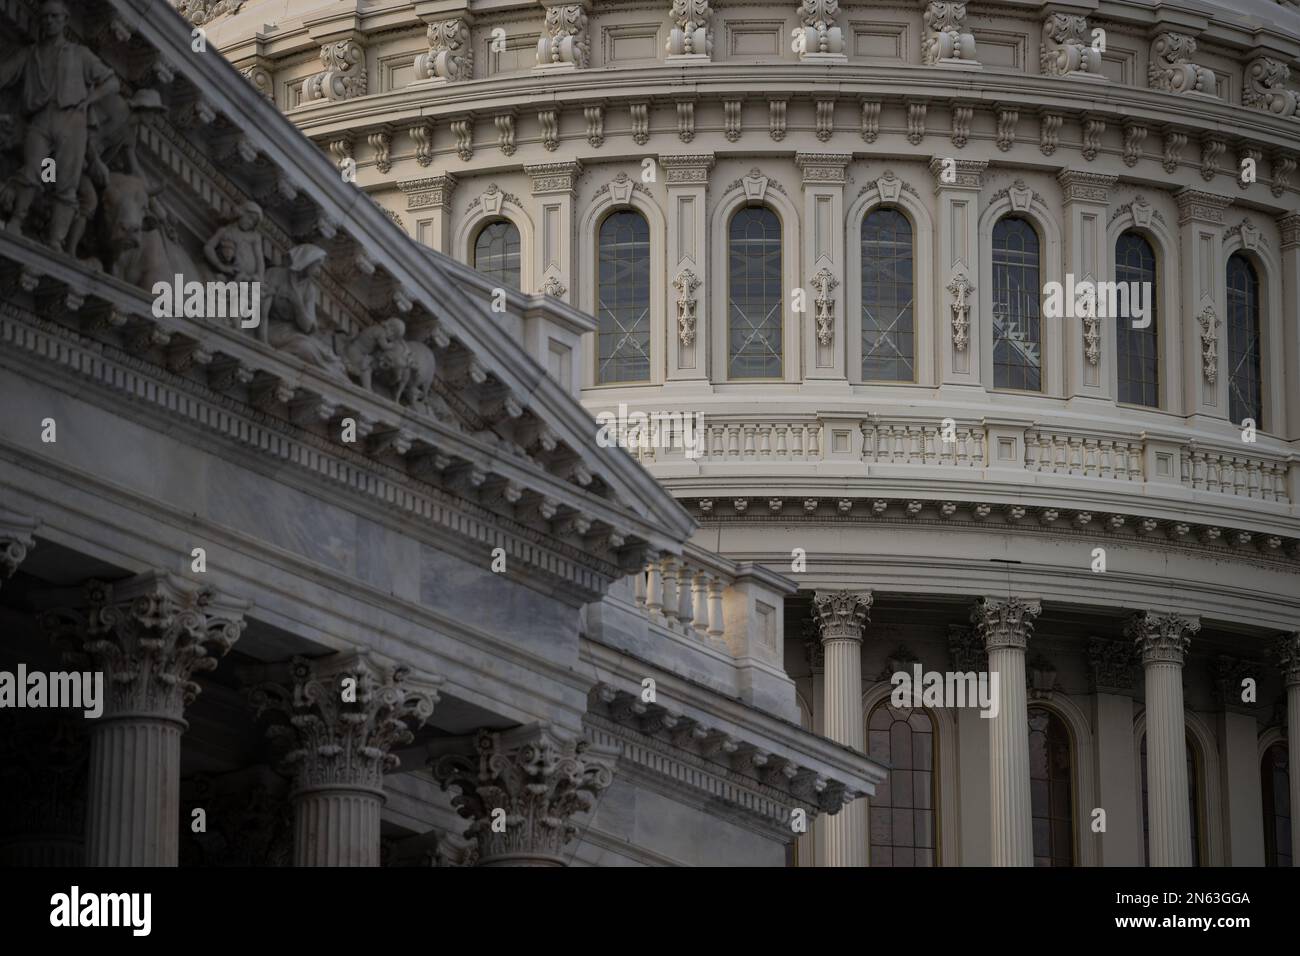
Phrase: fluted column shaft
(134, 799)
(336, 826)
(1005, 626)
(841, 616)
(1163, 639)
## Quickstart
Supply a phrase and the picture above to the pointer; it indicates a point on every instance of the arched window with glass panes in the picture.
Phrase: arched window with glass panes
(903, 826)
(496, 252)
(623, 298)
(1193, 800)
(755, 299)
(1245, 386)
(1137, 358)
(1051, 788)
(1017, 306)
(1275, 785)
(888, 296)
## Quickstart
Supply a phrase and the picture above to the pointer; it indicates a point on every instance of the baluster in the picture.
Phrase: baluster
(1240, 476)
(1253, 485)
(685, 596)
(961, 448)
(653, 589)
(913, 446)
(717, 626)
(1184, 466)
(671, 600)
(814, 441)
(638, 588)
(1106, 451)
(978, 458)
(781, 450)
(700, 602)
(1033, 453)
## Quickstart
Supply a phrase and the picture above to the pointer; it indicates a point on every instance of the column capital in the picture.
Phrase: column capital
(1196, 205)
(1229, 672)
(1161, 638)
(969, 173)
(966, 651)
(1287, 651)
(823, 168)
(686, 169)
(1081, 186)
(1005, 622)
(559, 177)
(841, 615)
(1111, 665)
(149, 634)
(537, 777)
(342, 715)
(432, 192)
(1289, 226)
(16, 539)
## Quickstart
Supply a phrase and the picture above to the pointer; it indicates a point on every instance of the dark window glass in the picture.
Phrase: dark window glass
(754, 300)
(1244, 387)
(1017, 306)
(1275, 783)
(1193, 802)
(1136, 353)
(903, 809)
(496, 252)
(623, 298)
(887, 318)
(1051, 783)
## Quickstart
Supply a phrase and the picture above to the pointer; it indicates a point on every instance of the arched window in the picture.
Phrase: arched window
(754, 296)
(623, 298)
(1193, 801)
(1275, 783)
(1244, 386)
(1017, 306)
(1137, 357)
(1051, 788)
(903, 809)
(887, 297)
(496, 252)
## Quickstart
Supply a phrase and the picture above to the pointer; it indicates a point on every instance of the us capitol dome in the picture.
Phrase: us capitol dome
(816, 266)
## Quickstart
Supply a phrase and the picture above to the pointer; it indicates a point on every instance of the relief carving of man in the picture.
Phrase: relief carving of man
(235, 250)
(59, 81)
(289, 296)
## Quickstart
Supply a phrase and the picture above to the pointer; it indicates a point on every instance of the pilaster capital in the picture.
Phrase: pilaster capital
(1111, 666)
(1161, 638)
(1289, 227)
(823, 168)
(149, 635)
(1287, 651)
(1005, 622)
(1081, 186)
(559, 177)
(686, 169)
(342, 715)
(1195, 205)
(969, 173)
(16, 539)
(537, 777)
(1229, 674)
(966, 650)
(431, 192)
(841, 615)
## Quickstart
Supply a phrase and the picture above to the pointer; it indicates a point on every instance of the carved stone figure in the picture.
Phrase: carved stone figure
(289, 296)
(235, 250)
(59, 81)
(364, 351)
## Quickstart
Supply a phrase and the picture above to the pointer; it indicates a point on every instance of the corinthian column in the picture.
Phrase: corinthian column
(519, 790)
(1163, 639)
(1288, 652)
(841, 617)
(1004, 625)
(343, 714)
(148, 636)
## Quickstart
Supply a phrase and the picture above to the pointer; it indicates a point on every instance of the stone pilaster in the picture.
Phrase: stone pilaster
(1004, 624)
(1288, 653)
(1089, 340)
(841, 617)
(1112, 671)
(1163, 640)
(520, 790)
(824, 330)
(343, 716)
(554, 185)
(686, 177)
(1289, 229)
(956, 273)
(16, 539)
(149, 635)
(1205, 342)
(429, 200)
